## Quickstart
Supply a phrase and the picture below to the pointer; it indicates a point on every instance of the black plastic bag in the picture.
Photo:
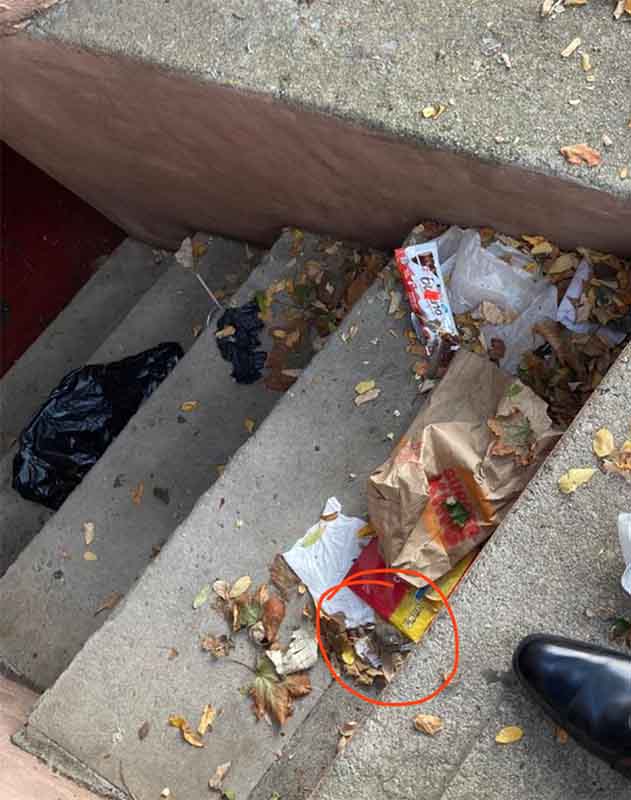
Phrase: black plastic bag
(240, 347)
(81, 418)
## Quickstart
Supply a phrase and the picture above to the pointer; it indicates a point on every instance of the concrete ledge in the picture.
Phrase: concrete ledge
(169, 118)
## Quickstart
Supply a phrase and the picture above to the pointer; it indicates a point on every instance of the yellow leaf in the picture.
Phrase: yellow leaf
(189, 405)
(563, 263)
(433, 111)
(428, 724)
(292, 339)
(88, 532)
(573, 478)
(137, 493)
(279, 333)
(89, 556)
(626, 447)
(209, 714)
(366, 532)
(364, 386)
(603, 443)
(509, 735)
(586, 63)
(348, 656)
(249, 424)
(239, 586)
(542, 249)
(199, 249)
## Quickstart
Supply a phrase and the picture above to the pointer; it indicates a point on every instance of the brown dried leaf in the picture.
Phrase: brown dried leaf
(273, 615)
(137, 493)
(188, 734)
(222, 589)
(428, 724)
(579, 154)
(515, 437)
(240, 586)
(217, 646)
(217, 779)
(189, 405)
(282, 576)
(111, 601)
(249, 424)
(367, 397)
(269, 695)
(143, 731)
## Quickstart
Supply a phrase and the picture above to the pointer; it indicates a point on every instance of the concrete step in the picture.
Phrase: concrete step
(51, 593)
(275, 485)
(315, 117)
(554, 565)
(75, 334)
(169, 310)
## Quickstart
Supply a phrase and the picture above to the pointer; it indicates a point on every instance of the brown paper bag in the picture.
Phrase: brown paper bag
(464, 460)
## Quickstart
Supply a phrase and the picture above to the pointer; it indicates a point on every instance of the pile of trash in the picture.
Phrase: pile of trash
(530, 330)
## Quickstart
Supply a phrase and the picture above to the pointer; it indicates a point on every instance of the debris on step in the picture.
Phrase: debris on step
(81, 418)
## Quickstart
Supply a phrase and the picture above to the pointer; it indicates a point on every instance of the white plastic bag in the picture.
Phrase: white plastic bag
(324, 555)
(497, 274)
(624, 534)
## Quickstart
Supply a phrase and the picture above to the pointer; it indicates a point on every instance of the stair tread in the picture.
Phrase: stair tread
(162, 447)
(166, 311)
(75, 333)
(276, 484)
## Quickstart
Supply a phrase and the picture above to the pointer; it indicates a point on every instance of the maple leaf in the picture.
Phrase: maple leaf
(272, 696)
(515, 437)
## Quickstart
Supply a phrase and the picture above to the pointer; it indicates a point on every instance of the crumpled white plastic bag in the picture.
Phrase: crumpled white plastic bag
(624, 534)
(322, 558)
(497, 274)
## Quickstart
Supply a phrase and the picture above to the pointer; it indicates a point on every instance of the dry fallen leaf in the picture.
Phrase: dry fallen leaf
(209, 715)
(222, 589)
(579, 154)
(143, 730)
(346, 734)
(573, 478)
(217, 646)
(586, 63)
(428, 724)
(367, 397)
(273, 697)
(564, 263)
(88, 532)
(603, 443)
(292, 339)
(89, 556)
(173, 653)
(509, 735)
(249, 424)
(189, 405)
(434, 111)
(282, 576)
(137, 493)
(273, 615)
(188, 734)
(201, 597)
(515, 437)
(364, 386)
(239, 586)
(571, 48)
(111, 601)
(218, 778)
(561, 735)
(623, 173)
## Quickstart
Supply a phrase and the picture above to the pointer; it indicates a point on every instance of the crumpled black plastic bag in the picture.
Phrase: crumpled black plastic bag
(81, 418)
(240, 348)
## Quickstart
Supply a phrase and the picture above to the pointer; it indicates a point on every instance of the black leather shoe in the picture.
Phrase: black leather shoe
(585, 689)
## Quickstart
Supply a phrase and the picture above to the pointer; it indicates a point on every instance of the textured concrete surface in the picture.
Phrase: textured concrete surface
(276, 484)
(380, 63)
(168, 311)
(22, 776)
(163, 448)
(309, 114)
(554, 565)
(75, 334)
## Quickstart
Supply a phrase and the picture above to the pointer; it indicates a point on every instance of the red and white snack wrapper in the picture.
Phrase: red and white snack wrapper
(432, 316)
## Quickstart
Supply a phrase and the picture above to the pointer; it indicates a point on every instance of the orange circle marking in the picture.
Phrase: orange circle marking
(330, 593)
